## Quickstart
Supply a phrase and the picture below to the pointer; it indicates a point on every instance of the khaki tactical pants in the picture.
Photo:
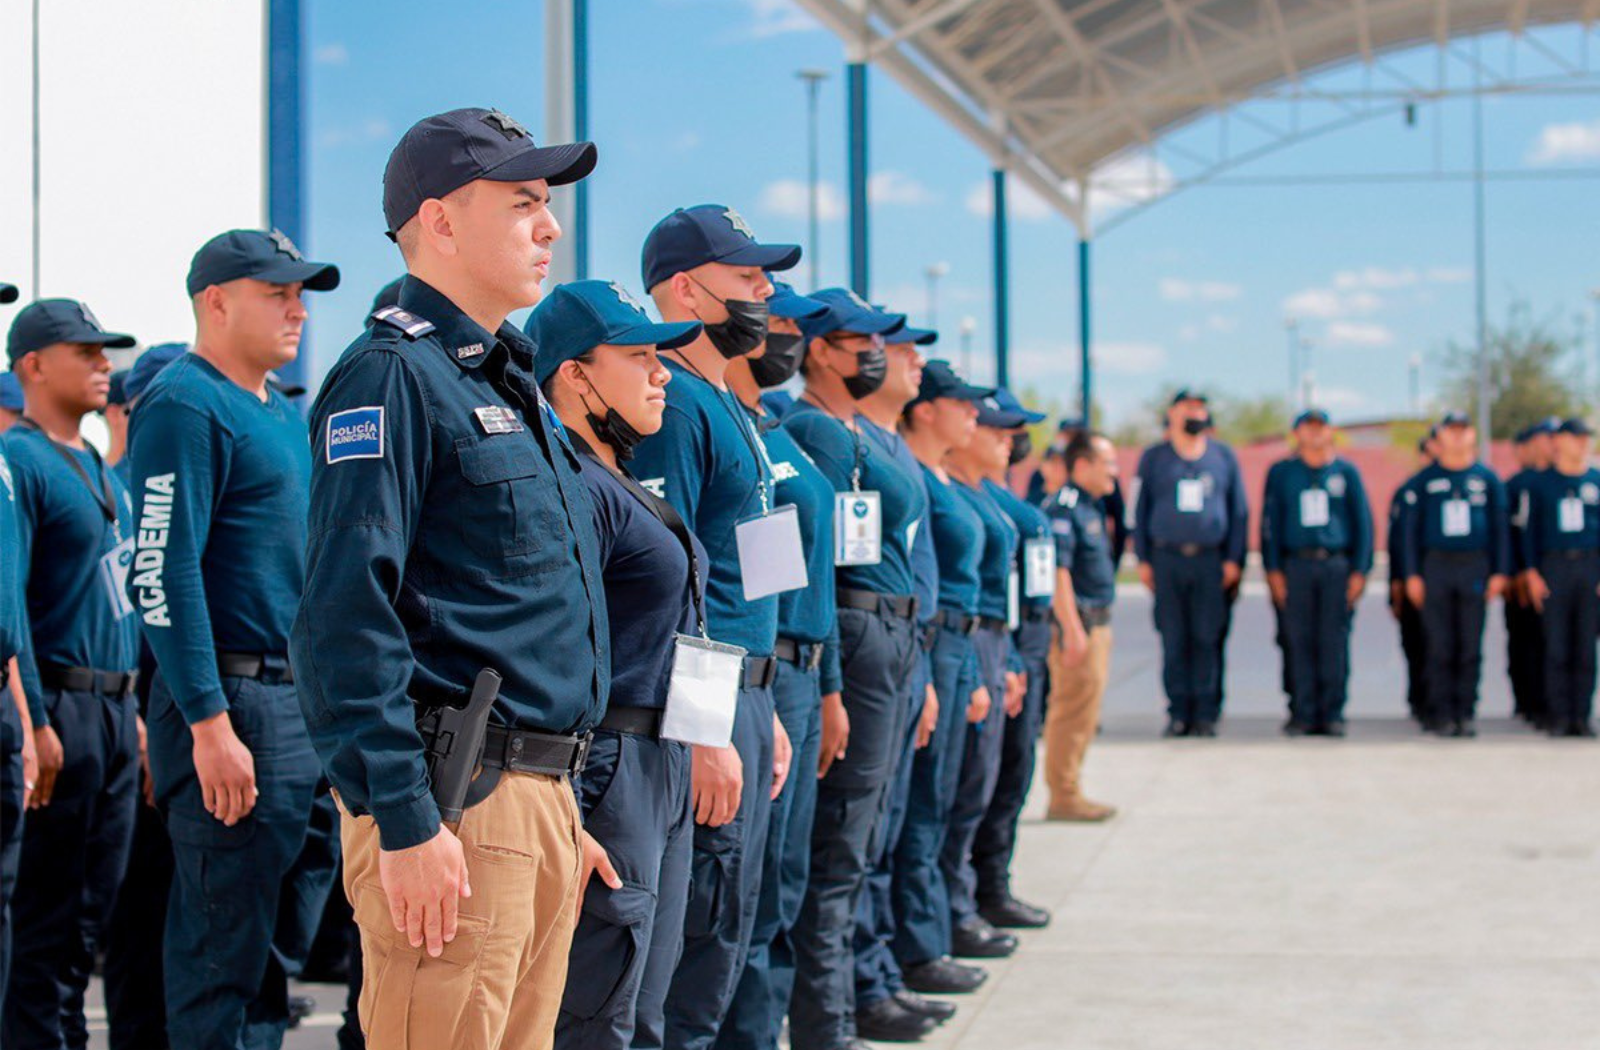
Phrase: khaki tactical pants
(1073, 714)
(498, 985)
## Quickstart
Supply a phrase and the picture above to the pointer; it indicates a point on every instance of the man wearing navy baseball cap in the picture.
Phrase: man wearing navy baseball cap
(440, 481)
(74, 549)
(705, 264)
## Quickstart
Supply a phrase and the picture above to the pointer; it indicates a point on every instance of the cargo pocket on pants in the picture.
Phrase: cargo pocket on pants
(607, 950)
(408, 998)
(711, 873)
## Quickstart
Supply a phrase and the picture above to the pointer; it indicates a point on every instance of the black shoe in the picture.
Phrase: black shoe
(934, 1008)
(300, 1008)
(886, 1021)
(1008, 913)
(976, 939)
(944, 977)
(1175, 728)
(1335, 728)
(1583, 729)
(1206, 729)
(1466, 728)
(1294, 727)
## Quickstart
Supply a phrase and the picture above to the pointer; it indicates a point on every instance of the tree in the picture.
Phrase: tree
(1531, 376)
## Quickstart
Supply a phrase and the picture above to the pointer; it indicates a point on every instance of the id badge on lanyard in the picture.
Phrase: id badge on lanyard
(1039, 564)
(771, 558)
(1569, 514)
(857, 528)
(114, 566)
(702, 691)
(1191, 495)
(1314, 508)
(1457, 517)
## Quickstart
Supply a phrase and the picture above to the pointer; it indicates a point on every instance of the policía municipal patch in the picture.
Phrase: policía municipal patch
(355, 433)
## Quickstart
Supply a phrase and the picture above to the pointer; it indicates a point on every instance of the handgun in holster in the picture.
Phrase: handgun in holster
(453, 739)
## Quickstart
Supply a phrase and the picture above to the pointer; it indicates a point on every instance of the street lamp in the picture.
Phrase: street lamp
(969, 327)
(934, 272)
(813, 79)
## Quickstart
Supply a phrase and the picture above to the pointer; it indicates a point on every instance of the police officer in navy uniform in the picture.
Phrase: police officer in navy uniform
(704, 264)
(221, 474)
(1533, 445)
(599, 365)
(75, 544)
(1456, 557)
(450, 532)
(1190, 533)
(1413, 641)
(1316, 548)
(1561, 549)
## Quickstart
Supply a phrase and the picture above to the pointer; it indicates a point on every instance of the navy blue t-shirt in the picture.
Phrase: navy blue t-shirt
(808, 614)
(999, 552)
(924, 558)
(958, 539)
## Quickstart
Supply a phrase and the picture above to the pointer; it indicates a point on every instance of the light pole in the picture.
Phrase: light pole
(813, 79)
(969, 328)
(934, 272)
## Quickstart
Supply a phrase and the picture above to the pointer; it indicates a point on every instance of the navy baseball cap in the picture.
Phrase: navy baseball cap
(10, 392)
(45, 322)
(992, 413)
(1454, 418)
(786, 302)
(442, 153)
(8, 293)
(939, 379)
(577, 317)
(1577, 426)
(1311, 415)
(708, 233)
(1185, 394)
(848, 312)
(119, 392)
(920, 336)
(1008, 402)
(262, 255)
(388, 295)
(149, 365)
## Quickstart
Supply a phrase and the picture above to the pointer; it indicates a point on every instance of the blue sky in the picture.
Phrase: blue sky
(696, 100)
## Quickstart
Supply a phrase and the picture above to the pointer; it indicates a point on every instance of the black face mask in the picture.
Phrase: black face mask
(1197, 426)
(1021, 447)
(744, 329)
(781, 361)
(872, 367)
(612, 428)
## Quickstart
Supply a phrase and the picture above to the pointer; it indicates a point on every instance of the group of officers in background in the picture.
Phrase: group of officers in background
(653, 683)
(639, 703)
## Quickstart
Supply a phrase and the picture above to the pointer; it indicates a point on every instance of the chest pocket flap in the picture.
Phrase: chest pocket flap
(487, 461)
(506, 496)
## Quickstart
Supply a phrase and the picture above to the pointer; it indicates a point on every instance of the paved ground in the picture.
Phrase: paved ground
(1382, 891)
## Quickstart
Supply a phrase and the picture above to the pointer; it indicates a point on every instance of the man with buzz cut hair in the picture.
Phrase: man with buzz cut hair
(449, 534)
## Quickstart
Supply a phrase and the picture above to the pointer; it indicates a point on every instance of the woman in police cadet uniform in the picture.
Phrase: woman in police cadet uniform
(598, 366)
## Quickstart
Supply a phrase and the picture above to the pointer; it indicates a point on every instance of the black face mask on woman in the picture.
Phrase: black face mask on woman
(781, 361)
(612, 428)
(744, 329)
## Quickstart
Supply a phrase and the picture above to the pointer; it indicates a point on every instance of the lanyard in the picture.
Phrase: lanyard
(104, 496)
(742, 423)
(854, 432)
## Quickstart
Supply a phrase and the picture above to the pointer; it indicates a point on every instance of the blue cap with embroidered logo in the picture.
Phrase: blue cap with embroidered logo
(940, 379)
(787, 303)
(1009, 402)
(848, 312)
(46, 322)
(8, 293)
(440, 154)
(261, 255)
(149, 365)
(993, 413)
(708, 233)
(10, 392)
(577, 317)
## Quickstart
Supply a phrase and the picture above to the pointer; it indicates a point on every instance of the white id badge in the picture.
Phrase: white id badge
(703, 692)
(1013, 601)
(1457, 517)
(1569, 516)
(857, 528)
(1039, 562)
(771, 559)
(114, 566)
(1191, 495)
(1313, 508)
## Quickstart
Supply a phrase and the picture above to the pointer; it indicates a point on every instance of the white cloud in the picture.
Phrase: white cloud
(1178, 290)
(1341, 399)
(895, 187)
(1313, 302)
(1562, 143)
(1375, 277)
(330, 55)
(1129, 359)
(1222, 323)
(1126, 180)
(790, 199)
(1358, 333)
(1449, 275)
(769, 18)
(686, 142)
(1021, 202)
(1355, 293)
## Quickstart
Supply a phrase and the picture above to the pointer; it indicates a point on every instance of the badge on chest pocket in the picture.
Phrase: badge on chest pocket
(857, 528)
(1313, 508)
(1191, 495)
(1456, 517)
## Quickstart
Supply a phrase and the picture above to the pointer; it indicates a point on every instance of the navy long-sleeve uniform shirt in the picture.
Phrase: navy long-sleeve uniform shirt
(807, 614)
(13, 634)
(1563, 514)
(924, 558)
(1200, 501)
(958, 539)
(999, 552)
(708, 462)
(449, 531)
(221, 482)
(1031, 524)
(1456, 510)
(72, 559)
(1306, 508)
(1083, 546)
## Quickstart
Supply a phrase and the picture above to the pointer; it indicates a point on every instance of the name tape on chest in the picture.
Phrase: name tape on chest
(355, 433)
(497, 419)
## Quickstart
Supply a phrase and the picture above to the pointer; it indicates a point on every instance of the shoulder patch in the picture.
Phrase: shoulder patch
(408, 323)
(355, 433)
(1439, 485)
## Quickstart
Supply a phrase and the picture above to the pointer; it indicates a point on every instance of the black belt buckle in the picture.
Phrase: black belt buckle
(814, 659)
(767, 667)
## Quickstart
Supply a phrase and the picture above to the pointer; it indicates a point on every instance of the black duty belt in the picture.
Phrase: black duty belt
(639, 721)
(805, 655)
(994, 623)
(255, 665)
(957, 622)
(1094, 616)
(759, 671)
(901, 605)
(1318, 553)
(1187, 550)
(530, 751)
(88, 680)
(1443, 555)
(1574, 553)
(1037, 613)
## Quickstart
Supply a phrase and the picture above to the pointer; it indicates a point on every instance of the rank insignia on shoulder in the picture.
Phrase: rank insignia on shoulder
(497, 419)
(409, 323)
(355, 433)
